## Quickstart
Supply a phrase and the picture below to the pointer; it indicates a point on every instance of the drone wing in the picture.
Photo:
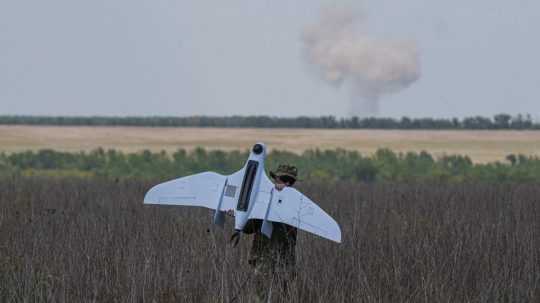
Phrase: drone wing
(202, 189)
(291, 207)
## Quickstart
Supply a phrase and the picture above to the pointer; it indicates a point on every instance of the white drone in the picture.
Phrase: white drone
(251, 195)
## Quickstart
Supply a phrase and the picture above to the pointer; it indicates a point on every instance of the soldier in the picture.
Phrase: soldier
(274, 259)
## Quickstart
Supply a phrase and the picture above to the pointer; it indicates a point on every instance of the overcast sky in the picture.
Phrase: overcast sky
(179, 57)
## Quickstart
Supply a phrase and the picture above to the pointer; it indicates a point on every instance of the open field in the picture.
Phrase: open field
(481, 146)
(77, 240)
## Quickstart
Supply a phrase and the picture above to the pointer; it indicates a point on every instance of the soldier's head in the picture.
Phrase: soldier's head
(285, 174)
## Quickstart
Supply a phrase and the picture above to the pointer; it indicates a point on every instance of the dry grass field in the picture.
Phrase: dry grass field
(90, 240)
(481, 146)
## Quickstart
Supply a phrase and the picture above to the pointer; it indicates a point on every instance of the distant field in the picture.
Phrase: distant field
(481, 146)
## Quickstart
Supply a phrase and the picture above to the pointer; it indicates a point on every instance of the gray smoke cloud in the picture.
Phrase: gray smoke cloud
(345, 55)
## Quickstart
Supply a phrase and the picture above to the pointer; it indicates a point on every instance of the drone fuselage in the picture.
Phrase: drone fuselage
(254, 169)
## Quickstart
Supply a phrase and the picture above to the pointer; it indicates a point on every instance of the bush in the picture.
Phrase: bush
(384, 166)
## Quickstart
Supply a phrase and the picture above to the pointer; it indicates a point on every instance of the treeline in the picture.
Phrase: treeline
(328, 165)
(500, 121)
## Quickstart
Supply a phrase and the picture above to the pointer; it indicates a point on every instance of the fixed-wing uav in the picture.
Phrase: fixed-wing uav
(251, 194)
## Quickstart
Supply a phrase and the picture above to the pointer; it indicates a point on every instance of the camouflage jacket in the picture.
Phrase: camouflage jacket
(278, 252)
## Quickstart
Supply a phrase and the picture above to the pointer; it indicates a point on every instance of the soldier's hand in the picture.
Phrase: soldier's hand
(235, 238)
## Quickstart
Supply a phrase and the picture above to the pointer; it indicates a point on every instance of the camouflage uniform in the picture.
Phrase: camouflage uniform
(273, 259)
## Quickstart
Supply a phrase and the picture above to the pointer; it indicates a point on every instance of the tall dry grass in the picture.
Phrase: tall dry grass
(65, 240)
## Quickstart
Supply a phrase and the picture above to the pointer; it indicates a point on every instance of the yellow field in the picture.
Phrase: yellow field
(481, 146)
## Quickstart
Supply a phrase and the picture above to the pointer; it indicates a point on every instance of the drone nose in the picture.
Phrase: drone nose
(258, 148)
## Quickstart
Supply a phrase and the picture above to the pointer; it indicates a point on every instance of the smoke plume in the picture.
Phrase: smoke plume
(344, 55)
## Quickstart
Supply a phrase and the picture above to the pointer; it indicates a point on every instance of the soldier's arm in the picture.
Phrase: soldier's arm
(291, 235)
